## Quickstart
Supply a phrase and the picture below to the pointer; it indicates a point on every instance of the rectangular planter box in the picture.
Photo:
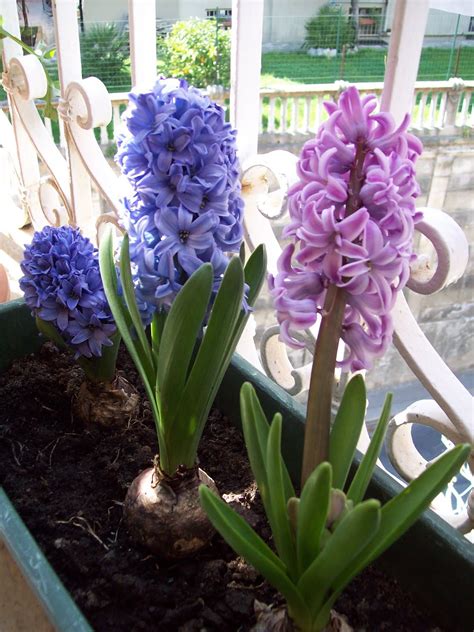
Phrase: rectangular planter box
(432, 560)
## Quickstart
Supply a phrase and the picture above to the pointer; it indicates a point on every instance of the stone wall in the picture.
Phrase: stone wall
(446, 175)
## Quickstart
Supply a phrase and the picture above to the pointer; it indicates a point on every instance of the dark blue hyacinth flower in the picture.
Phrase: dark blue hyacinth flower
(62, 286)
(184, 206)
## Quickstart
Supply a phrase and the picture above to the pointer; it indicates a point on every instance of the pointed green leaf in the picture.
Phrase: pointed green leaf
(280, 523)
(401, 511)
(351, 536)
(346, 430)
(255, 273)
(157, 326)
(256, 428)
(397, 516)
(131, 302)
(246, 543)
(123, 323)
(182, 327)
(312, 514)
(210, 364)
(364, 472)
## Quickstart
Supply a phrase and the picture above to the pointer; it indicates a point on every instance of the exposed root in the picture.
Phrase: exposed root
(82, 523)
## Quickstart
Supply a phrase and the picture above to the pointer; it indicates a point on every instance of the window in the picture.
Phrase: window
(370, 21)
(220, 13)
(223, 16)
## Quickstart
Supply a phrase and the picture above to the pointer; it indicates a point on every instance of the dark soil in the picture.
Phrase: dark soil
(68, 483)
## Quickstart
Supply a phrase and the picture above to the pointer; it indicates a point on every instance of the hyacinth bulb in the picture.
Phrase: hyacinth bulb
(352, 220)
(63, 288)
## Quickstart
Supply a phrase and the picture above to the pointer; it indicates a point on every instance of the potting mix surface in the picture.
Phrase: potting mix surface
(68, 483)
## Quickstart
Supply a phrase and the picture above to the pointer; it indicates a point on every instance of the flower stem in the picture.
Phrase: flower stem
(318, 412)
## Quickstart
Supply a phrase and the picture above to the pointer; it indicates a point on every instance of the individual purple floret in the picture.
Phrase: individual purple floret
(184, 206)
(62, 285)
(352, 220)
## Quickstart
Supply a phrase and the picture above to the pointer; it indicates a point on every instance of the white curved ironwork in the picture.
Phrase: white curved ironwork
(25, 81)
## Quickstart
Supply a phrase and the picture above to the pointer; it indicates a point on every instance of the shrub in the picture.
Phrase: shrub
(329, 29)
(198, 51)
(104, 50)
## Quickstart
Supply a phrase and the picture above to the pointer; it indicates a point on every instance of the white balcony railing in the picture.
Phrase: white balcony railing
(439, 107)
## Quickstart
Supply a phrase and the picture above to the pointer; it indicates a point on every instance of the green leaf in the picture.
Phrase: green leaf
(280, 523)
(49, 54)
(180, 333)
(401, 511)
(351, 536)
(211, 362)
(255, 273)
(346, 430)
(131, 302)
(50, 331)
(246, 543)
(124, 323)
(312, 514)
(157, 326)
(256, 428)
(101, 369)
(364, 472)
(398, 515)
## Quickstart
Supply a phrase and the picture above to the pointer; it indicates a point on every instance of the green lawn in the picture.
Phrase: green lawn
(366, 65)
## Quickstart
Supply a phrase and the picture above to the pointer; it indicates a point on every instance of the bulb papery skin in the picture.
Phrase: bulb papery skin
(182, 206)
(164, 514)
(62, 286)
(352, 219)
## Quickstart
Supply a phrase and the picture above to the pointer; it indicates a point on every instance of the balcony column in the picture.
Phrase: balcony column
(246, 55)
(70, 69)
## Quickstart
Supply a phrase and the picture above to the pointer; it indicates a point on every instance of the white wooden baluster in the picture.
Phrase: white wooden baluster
(26, 159)
(432, 113)
(283, 114)
(421, 111)
(116, 117)
(27, 82)
(104, 137)
(69, 69)
(319, 112)
(142, 21)
(294, 115)
(464, 109)
(246, 53)
(406, 41)
(442, 110)
(306, 115)
(271, 115)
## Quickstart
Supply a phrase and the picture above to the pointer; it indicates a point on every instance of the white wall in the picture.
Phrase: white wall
(104, 10)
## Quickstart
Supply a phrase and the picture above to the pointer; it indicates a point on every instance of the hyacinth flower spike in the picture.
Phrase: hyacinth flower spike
(350, 261)
(183, 216)
(63, 288)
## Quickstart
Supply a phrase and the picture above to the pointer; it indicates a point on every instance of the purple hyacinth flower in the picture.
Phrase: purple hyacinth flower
(182, 233)
(62, 285)
(350, 227)
(179, 155)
